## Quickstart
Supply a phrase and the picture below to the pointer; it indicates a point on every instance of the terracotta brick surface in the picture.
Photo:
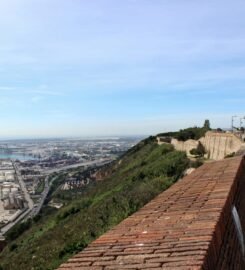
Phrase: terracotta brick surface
(189, 226)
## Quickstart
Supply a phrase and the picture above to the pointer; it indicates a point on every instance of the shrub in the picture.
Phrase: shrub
(195, 164)
(72, 248)
(18, 229)
(199, 151)
(67, 212)
(230, 155)
(13, 247)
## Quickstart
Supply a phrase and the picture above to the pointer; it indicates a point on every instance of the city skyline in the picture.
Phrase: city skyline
(76, 68)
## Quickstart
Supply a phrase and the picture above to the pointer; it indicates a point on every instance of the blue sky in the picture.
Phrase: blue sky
(106, 67)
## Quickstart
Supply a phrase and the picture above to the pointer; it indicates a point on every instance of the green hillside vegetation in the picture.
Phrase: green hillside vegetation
(194, 133)
(143, 172)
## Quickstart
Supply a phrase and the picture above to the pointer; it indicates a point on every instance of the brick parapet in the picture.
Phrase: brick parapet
(189, 226)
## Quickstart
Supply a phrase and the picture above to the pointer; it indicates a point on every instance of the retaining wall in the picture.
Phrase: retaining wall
(186, 146)
(219, 145)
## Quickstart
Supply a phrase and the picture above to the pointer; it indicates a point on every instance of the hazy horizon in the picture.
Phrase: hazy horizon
(92, 137)
(87, 68)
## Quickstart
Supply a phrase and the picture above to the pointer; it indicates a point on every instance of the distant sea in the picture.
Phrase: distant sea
(16, 156)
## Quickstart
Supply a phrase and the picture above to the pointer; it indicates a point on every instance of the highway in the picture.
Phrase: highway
(23, 187)
(37, 208)
(73, 166)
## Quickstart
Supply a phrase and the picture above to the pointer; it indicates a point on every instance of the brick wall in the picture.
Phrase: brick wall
(189, 226)
(230, 252)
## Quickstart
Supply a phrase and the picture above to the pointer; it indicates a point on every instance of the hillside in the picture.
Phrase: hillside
(143, 172)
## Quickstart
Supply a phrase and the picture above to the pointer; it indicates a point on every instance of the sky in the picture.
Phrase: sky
(131, 67)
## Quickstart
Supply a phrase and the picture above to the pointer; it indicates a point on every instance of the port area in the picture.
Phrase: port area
(28, 169)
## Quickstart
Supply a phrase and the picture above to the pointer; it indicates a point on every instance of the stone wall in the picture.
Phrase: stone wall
(186, 146)
(219, 145)
(163, 140)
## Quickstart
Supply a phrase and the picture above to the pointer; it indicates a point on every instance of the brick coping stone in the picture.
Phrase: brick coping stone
(175, 230)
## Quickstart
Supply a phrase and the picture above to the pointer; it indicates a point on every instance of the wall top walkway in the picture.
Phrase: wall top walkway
(182, 228)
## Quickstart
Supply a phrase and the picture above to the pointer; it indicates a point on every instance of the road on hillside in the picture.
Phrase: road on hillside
(37, 208)
(73, 166)
(23, 187)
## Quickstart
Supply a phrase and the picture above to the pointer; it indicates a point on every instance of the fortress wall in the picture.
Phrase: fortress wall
(219, 145)
(178, 145)
(163, 140)
(186, 146)
(189, 226)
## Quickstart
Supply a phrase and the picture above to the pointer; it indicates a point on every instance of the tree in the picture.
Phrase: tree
(207, 124)
(198, 152)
